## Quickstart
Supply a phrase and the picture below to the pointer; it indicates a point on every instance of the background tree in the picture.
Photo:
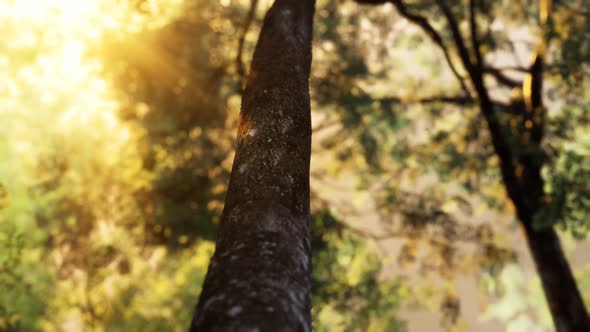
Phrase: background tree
(516, 132)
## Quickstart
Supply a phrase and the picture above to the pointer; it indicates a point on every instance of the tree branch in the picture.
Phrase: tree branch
(457, 100)
(457, 37)
(501, 144)
(474, 39)
(423, 23)
(514, 68)
(501, 77)
(240, 67)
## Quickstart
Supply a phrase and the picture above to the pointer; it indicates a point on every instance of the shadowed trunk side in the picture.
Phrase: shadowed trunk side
(259, 278)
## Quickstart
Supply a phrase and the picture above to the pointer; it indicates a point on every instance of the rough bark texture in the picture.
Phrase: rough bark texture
(259, 278)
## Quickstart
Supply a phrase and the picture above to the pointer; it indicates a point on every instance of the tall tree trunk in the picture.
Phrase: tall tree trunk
(526, 190)
(259, 278)
(560, 288)
(563, 297)
(525, 186)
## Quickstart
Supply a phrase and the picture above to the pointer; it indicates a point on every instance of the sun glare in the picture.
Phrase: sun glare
(47, 76)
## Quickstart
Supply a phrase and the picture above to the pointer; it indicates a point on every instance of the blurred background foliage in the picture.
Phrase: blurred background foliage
(119, 122)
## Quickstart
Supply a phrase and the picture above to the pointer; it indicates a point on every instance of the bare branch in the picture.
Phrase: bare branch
(457, 37)
(501, 77)
(500, 142)
(423, 23)
(240, 67)
(474, 38)
(457, 100)
(514, 68)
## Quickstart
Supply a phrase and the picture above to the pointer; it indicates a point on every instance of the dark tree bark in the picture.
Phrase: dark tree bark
(564, 299)
(521, 174)
(259, 278)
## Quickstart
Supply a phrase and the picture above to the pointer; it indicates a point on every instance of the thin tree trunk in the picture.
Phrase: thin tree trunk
(560, 288)
(526, 189)
(563, 297)
(527, 192)
(259, 278)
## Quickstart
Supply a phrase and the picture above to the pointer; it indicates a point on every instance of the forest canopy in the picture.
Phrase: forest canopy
(119, 132)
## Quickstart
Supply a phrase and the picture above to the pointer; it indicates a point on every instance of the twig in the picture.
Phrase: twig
(240, 67)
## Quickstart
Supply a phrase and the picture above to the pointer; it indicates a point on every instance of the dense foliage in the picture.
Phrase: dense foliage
(118, 132)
